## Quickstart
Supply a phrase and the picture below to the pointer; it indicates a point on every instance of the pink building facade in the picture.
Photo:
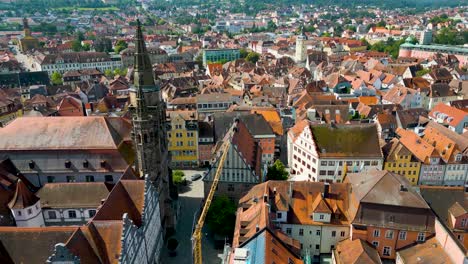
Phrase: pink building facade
(427, 51)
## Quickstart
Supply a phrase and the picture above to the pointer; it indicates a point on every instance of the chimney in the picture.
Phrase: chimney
(337, 116)
(403, 188)
(326, 190)
(257, 228)
(265, 198)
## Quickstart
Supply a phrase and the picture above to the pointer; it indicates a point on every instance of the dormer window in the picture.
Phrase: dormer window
(458, 157)
(31, 164)
(103, 163)
(85, 164)
(67, 164)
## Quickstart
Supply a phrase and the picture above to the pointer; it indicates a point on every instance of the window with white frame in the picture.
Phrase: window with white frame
(52, 215)
(402, 235)
(389, 234)
(72, 214)
(421, 237)
(387, 251)
(376, 233)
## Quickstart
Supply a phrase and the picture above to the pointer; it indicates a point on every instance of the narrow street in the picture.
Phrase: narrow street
(190, 198)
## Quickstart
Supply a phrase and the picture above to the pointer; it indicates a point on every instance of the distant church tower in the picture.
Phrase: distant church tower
(301, 49)
(149, 129)
(28, 42)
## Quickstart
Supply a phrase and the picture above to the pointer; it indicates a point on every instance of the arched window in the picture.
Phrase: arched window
(139, 139)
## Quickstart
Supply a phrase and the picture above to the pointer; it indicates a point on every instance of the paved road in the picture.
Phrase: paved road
(190, 198)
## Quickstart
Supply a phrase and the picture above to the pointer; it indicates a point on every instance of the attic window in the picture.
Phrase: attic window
(85, 164)
(31, 164)
(67, 164)
(103, 163)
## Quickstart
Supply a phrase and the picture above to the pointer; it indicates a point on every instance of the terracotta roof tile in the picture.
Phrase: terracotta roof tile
(23, 197)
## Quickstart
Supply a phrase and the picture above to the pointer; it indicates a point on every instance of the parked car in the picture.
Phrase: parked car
(195, 177)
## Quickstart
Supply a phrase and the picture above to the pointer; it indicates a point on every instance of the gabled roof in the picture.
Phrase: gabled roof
(384, 188)
(23, 197)
(356, 252)
(73, 195)
(32, 244)
(126, 197)
(98, 242)
(64, 133)
(346, 140)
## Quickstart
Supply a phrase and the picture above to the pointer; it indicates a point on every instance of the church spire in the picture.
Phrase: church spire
(27, 30)
(143, 69)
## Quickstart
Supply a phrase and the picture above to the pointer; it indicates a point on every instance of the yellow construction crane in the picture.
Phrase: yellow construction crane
(197, 233)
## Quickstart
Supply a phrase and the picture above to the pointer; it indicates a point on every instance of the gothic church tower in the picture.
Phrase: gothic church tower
(149, 129)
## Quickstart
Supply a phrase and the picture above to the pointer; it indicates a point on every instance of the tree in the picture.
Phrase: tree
(56, 78)
(253, 57)
(221, 217)
(243, 53)
(277, 171)
(120, 45)
(103, 45)
(86, 47)
(423, 72)
(178, 177)
(76, 45)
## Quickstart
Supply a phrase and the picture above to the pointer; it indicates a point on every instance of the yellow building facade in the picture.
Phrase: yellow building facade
(400, 160)
(182, 136)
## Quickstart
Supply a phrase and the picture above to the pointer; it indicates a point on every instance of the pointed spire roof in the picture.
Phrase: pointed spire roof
(23, 197)
(143, 71)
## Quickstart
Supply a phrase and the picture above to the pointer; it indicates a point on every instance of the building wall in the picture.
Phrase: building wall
(62, 68)
(29, 216)
(456, 254)
(314, 236)
(204, 152)
(52, 163)
(455, 174)
(431, 174)
(268, 148)
(404, 166)
(394, 243)
(308, 165)
(183, 143)
(220, 54)
(143, 244)
(62, 216)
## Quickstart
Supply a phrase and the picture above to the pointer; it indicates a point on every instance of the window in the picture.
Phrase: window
(323, 172)
(375, 243)
(50, 179)
(389, 234)
(288, 231)
(108, 178)
(387, 251)
(89, 178)
(230, 187)
(331, 163)
(323, 163)
(72, 214)
(421, 237)
(321, 216)
(376, 233)
(317, 233)
(92, 213)
(333, 233)
(317, 246)
(19, 213)
(374, 163)
(301, 232)
(402, 235)
(330, 173)
(71, 179)
(279, 215)
(29, 211)
(463, 222)
(342, 234)
(52, 215)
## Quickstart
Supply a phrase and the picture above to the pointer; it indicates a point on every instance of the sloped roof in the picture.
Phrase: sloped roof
(455, 116)
(33, 244)
(346, 140)
(429, 252)
(97, 242)
(23, 197)
(126, 197)
(356, 252)
(73, 195)
(64, 133)
(383, 187)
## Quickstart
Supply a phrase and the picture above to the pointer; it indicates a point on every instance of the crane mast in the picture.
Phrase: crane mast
(197, 233)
